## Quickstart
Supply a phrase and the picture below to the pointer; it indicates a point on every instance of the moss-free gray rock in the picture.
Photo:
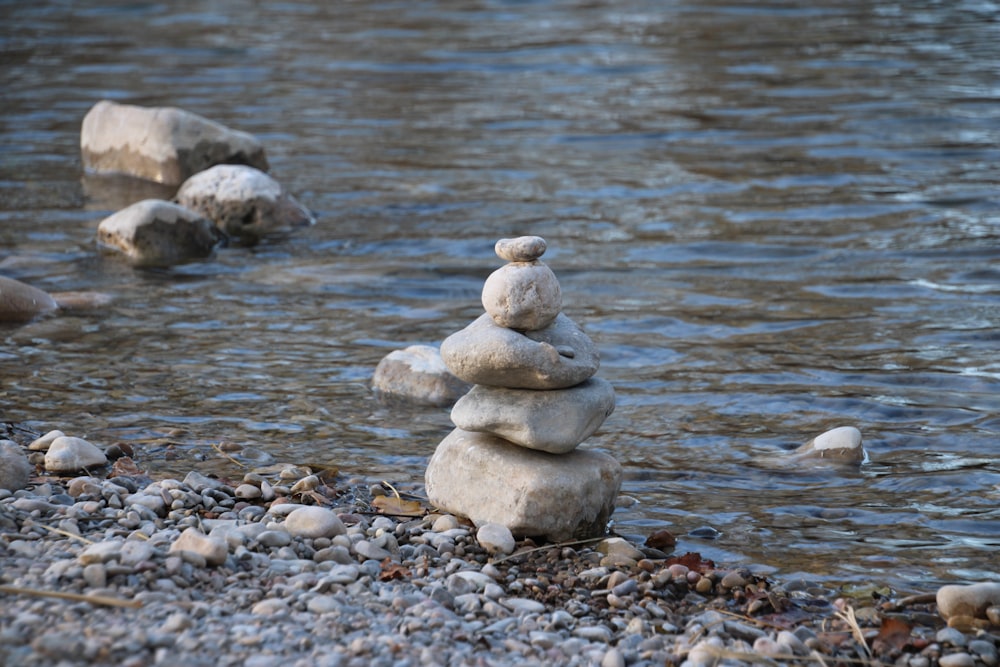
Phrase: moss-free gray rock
(554, 421)
(163, 144)
(243, 201)
(489, 480)
(154, 232)
(417, 374)
(560, 355)
(20, 302)
(15, 470)
(67, 454)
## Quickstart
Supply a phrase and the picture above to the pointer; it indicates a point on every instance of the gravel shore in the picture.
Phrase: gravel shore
(203, 571)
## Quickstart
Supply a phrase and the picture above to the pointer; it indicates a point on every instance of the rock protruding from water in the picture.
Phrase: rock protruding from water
(154, 232)
(416, 374)
(163, 144)
(840, 445)
(20, 302)
(513, 460)
(243, 201)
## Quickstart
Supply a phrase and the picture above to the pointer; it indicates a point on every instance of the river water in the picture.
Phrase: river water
(772, 218)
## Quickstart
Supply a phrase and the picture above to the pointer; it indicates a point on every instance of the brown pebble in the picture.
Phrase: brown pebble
(663, 540)
(704, 586)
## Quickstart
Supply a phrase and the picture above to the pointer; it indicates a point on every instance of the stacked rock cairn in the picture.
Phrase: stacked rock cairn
(513, 458)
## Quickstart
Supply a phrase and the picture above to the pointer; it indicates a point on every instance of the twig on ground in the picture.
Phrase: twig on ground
(77, 597)
(548, 546)
(59, 531)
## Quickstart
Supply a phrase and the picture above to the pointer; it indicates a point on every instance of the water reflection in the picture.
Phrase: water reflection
(772, 219)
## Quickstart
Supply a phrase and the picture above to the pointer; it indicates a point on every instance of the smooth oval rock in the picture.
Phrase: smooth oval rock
(520, 249)
(163, 144)
(244, 202)
(312, 521)
(553, 421)
(522, 296)
(15, 470)
(20, 302)
(67, 454)
(555, 357)
(153, 232)
(418, 375)
(968, 600)
(495, 538)
(42, 443)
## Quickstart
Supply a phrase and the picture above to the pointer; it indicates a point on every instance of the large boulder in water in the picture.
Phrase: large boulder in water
(243, 201)
(417, 375)
(159, 233)
(163, 144)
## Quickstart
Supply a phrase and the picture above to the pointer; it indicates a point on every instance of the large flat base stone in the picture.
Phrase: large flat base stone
(535, 494)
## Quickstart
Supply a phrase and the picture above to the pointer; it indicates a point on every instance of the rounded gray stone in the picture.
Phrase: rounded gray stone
(520, 249)
(523, 296)
(558, 356)
(242, 201)
(553, 421)
(154, 232)
(15, 470)
(67, 454)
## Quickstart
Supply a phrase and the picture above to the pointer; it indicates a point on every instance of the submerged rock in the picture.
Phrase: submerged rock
(20, 302)
(841, 444)
(163, 144)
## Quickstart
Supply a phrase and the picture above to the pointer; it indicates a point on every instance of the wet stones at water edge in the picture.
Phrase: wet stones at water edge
(513, 460)
(163, 144)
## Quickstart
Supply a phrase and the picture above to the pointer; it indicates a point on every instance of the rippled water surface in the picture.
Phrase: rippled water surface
(773, 219)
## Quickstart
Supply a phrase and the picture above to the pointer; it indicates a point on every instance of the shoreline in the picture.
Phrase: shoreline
(203, 571)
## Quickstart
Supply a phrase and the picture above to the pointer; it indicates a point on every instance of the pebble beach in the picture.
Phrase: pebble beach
(298, 567)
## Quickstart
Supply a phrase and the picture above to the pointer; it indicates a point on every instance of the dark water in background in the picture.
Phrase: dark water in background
(773, 219)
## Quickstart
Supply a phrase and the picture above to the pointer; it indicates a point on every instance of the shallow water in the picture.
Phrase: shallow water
(773, 220)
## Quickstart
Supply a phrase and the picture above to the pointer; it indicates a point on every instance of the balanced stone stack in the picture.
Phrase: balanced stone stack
(513, 459)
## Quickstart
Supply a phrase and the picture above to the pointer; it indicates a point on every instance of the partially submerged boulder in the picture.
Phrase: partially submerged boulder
(20, 302)
(418, 375)
(153, 232)
(838, 445)
(163, 144)
(243, 201)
